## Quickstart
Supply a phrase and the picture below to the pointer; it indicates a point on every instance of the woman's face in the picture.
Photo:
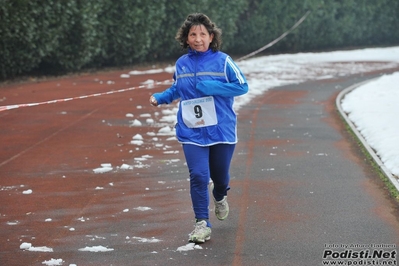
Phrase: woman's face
(199, 38)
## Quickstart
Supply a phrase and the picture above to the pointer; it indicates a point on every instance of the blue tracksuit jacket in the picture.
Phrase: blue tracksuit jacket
(205, 77)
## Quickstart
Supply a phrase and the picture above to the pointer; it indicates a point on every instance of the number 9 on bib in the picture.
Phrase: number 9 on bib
(199, 112)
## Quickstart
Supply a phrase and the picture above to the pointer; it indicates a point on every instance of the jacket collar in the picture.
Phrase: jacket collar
(192, 52)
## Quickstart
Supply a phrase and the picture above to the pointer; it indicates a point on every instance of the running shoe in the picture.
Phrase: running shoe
(201, 233)
(221, 207)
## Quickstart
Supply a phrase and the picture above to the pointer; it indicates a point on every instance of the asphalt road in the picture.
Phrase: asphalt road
(305, 187)
(301, 188)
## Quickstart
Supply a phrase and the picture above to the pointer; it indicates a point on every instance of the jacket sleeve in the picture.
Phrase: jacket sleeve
(237, 84)
(168, 95)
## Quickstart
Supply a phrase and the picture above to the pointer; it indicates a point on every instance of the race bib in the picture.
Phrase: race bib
(199, 112)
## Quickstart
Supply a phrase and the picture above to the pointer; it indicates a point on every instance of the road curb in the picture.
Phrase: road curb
(394, 181)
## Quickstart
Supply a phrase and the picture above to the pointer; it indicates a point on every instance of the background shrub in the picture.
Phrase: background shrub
(60, 36)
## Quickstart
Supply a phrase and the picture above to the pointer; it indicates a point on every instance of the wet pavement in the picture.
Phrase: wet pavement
(300, 185)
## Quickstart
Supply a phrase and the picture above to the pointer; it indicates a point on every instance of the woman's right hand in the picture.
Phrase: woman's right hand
(153, 101)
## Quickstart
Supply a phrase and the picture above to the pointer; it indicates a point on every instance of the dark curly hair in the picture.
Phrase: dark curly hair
(196, 19)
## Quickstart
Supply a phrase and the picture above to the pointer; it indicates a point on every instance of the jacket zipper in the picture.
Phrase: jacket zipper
(195, 72)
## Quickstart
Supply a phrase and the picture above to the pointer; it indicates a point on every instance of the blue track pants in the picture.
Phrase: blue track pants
(204, 163)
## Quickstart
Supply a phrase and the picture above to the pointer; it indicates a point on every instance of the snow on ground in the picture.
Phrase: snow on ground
(264, 73)
(374, 108)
